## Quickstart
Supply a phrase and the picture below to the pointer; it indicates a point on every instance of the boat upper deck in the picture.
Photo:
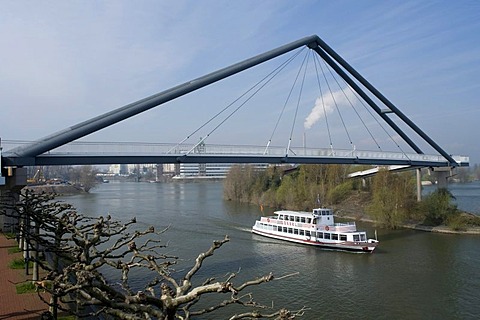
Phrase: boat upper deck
(319, 219)
(315, 212)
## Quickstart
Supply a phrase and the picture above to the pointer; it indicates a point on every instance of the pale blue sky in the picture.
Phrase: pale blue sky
(64, 62)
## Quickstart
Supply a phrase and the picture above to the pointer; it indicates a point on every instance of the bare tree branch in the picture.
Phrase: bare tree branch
(83, 250)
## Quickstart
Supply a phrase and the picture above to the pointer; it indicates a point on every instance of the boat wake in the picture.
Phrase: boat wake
(243, 229)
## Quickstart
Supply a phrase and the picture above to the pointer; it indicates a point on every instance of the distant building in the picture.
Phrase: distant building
(203, 170)
(179, 170)
(169, 168)
(207, 170)
(114, 169)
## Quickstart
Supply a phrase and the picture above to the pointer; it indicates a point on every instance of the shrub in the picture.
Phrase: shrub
(19, 263)
(14, 250)
(27, 287)
(438, 208)
(340, 192)
(457, 223)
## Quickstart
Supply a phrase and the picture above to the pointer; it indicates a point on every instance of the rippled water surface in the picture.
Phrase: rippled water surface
(412, 275)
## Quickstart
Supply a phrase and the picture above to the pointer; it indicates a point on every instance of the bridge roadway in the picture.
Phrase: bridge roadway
(83, 153)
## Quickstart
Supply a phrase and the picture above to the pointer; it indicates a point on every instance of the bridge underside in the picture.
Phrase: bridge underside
(47, 160)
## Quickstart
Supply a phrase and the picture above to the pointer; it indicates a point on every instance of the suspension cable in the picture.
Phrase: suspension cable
(353, 107)
(298, 102)
(271, 76)
(284, 106)
(323, 104)
(381, 126)
(280, 67)
(336, 105)
(368, 109)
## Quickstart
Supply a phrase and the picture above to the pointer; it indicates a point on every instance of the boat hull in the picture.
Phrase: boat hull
(368, 246)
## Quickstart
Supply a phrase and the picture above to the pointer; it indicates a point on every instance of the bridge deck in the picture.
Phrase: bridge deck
(119, 153)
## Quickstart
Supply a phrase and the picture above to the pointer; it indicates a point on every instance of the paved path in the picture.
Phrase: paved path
(13, 305)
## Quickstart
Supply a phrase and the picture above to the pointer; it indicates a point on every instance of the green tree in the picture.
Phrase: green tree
(239, 183)
(438, 207)
(393, 198)
(288, 187)
(285, 196)
(340, 192)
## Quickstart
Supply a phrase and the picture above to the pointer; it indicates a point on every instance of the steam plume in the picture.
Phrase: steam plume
(326, 106)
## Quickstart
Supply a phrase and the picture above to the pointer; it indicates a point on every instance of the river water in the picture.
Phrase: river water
(411, 275)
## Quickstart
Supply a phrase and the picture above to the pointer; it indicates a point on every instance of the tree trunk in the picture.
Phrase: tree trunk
(35, 276)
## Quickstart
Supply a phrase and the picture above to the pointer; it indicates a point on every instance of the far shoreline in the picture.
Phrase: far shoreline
(59, 189)
(420, 227)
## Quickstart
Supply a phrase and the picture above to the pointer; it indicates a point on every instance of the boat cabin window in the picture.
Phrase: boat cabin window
(302, 232)
(295, 231)
(279, 229)
(292, 218)
(290, 230)
(356, 237)
(309, 220)
(285, 229)
(307, 233)
(280, 217)
(320, 235)
(343, 237)
(314, 221)
(363, 237)
(334, 236)
(302, 219)
(326, 235)
(297, 219)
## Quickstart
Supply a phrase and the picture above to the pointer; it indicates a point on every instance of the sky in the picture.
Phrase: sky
(64, 62)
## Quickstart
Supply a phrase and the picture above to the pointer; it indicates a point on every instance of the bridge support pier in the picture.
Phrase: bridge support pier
(15, 180)
(442, 174)
(419, 184)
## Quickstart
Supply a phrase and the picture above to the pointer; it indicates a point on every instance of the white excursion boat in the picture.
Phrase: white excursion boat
(316, 228)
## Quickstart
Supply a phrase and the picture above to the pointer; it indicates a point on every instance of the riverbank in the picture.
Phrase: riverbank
(60, 189)
(442, 229)
(419, 227)
(354, 210)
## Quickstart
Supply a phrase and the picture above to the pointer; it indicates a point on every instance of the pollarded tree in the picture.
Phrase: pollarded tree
(164, 297)
(89, 248)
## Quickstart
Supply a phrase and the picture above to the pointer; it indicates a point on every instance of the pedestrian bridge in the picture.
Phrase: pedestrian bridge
(65, 148)
(79, 153)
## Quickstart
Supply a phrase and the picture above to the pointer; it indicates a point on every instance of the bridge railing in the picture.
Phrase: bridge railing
(154, 149)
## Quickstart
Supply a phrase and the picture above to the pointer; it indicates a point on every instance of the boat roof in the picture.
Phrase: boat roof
(301, 213)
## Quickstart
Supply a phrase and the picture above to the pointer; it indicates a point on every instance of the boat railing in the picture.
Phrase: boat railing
(341, 224)
(286, 223)
(343, 227)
